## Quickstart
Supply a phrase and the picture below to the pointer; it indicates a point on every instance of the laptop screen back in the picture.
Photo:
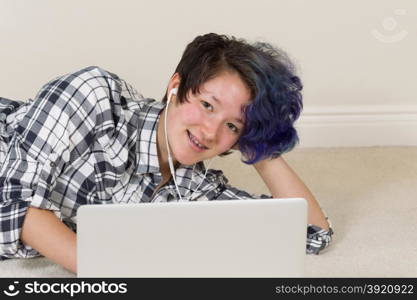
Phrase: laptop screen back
(234, 238)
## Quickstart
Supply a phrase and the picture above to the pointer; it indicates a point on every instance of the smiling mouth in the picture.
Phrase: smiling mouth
(194, 140)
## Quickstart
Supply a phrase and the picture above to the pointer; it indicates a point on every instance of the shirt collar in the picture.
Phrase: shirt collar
(198, 168)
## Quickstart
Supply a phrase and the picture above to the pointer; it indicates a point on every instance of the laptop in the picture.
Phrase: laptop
(219, 238)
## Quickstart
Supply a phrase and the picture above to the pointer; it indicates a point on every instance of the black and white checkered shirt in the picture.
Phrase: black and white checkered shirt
(90, 138)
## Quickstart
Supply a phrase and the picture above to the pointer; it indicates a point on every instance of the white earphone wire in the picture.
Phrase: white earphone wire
(170, 163)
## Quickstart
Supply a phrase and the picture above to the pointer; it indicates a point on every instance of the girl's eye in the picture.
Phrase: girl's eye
(233, 127)
(207, 105)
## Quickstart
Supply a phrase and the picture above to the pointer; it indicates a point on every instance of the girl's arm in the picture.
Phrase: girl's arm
(45, 233)
(282, 182)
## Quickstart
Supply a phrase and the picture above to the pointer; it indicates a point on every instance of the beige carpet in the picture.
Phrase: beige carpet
(369, 194)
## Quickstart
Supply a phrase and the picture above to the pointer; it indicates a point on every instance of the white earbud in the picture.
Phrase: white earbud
(171, 92)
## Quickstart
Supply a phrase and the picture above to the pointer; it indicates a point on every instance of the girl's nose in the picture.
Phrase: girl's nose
(210, 130)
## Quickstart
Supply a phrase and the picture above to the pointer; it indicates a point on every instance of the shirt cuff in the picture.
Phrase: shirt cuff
(318, 238)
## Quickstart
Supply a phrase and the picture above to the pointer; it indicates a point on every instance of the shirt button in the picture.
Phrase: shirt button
(52, 164)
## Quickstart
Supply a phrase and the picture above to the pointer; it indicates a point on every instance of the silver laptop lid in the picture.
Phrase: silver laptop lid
(234, 238)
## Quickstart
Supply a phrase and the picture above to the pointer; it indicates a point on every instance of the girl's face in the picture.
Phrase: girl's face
(211, 122)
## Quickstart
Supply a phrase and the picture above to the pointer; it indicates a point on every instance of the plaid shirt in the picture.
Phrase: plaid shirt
(90, 138)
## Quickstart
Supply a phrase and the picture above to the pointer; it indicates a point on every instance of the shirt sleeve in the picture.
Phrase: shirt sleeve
(317, 238)
(57, 129)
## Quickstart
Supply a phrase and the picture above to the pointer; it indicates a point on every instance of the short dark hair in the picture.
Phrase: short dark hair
(276, 100)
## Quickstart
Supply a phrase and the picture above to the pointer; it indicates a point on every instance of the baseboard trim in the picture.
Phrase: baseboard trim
(358, 126)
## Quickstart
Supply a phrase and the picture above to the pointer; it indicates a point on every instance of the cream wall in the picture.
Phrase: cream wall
(344, 65)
